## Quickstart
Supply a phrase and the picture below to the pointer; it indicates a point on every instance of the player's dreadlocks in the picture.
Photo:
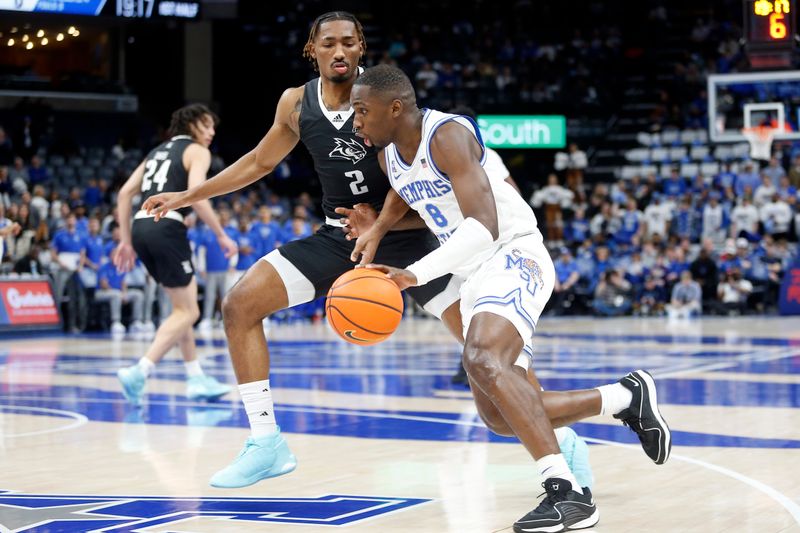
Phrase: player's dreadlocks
(183, 117)
(327, 17)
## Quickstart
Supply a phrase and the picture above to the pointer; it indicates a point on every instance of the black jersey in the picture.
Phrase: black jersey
(348, 170)
(164, 170)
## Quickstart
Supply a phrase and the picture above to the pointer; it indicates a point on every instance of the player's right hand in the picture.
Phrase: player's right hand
(160, 204)
(366, 247)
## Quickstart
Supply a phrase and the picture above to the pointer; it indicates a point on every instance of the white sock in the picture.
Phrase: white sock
(554, 465)
(193, 368)
(561, 434)
(257, 399)
(614, 398)
(146, 365)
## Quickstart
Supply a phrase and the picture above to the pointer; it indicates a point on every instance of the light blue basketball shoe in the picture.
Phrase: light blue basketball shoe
(576, 453)
(205, 387)
(133, 381)
(261, 458)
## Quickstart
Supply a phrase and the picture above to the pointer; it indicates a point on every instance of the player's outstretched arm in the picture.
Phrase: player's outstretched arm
(123, 255)
(281, 138)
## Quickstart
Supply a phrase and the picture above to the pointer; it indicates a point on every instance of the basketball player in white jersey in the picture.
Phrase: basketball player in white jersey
(491, 242)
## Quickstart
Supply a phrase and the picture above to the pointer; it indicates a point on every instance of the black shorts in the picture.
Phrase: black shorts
(164, 249)
(325, 256)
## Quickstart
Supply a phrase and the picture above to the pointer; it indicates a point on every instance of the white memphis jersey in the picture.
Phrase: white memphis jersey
(429, 192)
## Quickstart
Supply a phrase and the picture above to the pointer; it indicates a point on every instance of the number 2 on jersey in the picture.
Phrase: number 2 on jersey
(151, 167)
(354, 185)
(436, 215)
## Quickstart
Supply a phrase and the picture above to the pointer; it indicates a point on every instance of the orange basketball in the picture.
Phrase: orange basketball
(364, 306)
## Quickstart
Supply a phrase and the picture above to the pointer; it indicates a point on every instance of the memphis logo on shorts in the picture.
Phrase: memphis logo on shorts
(529, 270)
(34, 512)
(349, 149)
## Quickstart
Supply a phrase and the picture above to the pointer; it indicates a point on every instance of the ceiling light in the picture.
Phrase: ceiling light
(29, 45)
(60, 37)
(10, 42)
(40, 34)
(25, 38)
(76, 33)
(71, 30)
(45, 41)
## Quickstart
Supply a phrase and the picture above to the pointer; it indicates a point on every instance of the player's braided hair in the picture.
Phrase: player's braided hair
(327, 17)
(189, 114)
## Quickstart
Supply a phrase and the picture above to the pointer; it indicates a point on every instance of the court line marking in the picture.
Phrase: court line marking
(792, 508)
(79, 420)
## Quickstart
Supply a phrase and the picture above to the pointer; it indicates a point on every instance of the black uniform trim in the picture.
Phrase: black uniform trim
(325, 256)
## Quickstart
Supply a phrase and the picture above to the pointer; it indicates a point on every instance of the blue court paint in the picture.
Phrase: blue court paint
(103, 406)
(25, 512)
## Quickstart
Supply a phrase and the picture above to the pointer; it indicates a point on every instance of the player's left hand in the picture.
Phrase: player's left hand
(357, 220)
(228, 245)
(123, 257)
(403, 278)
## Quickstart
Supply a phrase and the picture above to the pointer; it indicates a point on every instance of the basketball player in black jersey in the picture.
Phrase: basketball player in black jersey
(319, 115)
(174, 165)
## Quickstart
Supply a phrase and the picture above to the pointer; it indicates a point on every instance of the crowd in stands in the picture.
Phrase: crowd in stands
(672, 245)
(68, 229)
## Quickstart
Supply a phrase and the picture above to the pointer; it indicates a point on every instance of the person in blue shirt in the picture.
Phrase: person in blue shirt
(683, 221)
(250, 246)
(726, 178)
(299, 229)
(69, 246)
(630, 228)
(95, 255)
(112, 288)
(747, 180)
(577, 229)
(216, 271)
(674, 186)
(567, 276)
(269, 231)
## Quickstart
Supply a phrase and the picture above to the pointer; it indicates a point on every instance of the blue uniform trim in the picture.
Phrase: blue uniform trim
(475, 132)
(512, 298)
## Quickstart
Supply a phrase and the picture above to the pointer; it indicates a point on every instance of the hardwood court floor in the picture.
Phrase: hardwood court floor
(385, 442)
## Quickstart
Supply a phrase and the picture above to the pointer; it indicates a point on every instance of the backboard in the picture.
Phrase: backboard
(737, 101)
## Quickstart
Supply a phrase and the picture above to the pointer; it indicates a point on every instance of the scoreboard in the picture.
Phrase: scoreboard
(129, 9)
(770, 32)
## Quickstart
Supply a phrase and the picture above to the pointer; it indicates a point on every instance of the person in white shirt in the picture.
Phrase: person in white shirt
(657, 215)
(776, 217)
(554, 198)
(733, 291)
(744, 218)
(713, 220)
(764, 192)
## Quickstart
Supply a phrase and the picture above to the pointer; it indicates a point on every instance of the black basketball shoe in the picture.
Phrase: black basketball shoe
(561, 510)
(643, 416)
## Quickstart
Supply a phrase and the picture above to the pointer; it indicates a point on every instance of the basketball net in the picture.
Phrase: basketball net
(760, 139)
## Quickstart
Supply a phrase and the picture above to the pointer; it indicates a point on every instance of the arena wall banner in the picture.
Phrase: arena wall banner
(28, 304)
(523, 131)
(789, 300)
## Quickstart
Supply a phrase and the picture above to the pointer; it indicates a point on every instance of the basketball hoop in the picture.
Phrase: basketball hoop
(760, 139)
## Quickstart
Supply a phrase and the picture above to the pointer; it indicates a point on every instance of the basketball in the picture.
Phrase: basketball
(364, 306)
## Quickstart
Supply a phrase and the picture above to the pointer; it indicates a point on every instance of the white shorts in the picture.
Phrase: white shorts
(515, 283)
